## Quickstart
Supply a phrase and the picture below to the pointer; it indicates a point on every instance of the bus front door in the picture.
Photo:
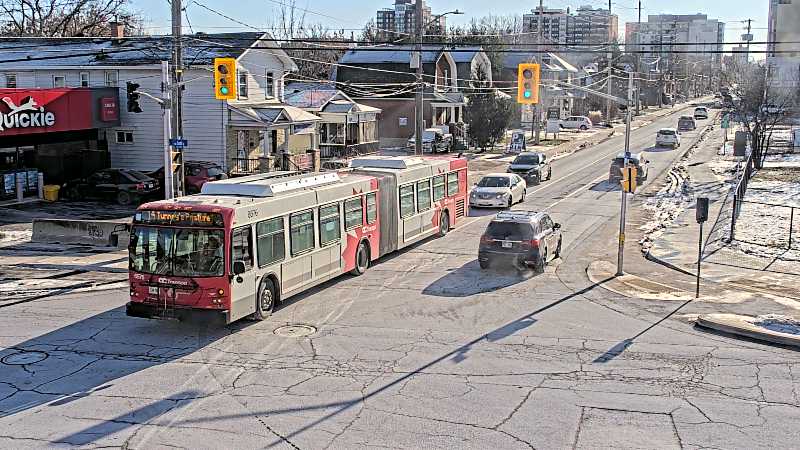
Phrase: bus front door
(243, 286)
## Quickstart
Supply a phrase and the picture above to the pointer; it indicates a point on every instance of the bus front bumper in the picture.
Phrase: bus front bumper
(204, 316)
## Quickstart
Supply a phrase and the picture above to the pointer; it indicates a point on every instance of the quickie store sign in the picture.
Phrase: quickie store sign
(26, 114)
(33, 111)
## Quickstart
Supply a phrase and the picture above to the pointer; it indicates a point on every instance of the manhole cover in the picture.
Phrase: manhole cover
(23, 358)
(295, 331)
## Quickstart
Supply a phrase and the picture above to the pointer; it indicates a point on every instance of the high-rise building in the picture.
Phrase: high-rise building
(399, 22)
(667, 40)
(586, 26)
(783, 50)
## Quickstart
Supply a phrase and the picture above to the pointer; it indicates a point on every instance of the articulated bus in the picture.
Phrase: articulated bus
(243, 244)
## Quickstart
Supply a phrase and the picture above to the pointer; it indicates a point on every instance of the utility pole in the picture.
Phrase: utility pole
(608, 81)
(419, 117)
(166, 108)
(624, 207)
(177, 94)
(661, 64)
(639, 60)
(539, 40)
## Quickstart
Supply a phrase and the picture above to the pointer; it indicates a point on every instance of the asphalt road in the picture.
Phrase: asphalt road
(424, 351)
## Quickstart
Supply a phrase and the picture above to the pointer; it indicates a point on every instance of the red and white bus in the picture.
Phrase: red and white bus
(244, 244)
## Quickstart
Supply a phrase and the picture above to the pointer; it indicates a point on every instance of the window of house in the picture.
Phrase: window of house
(243, 91)
(423, 195)
(112, 78)
(271, 241)
(84, 79)
(242, 247)
(372, 208)
(353, 213)
(59, 81)
(270, 84)
(438, 188)
(11, 80)
(302, 232)
(452, 184)
(407, 201)
(124, 137)
(329, 224)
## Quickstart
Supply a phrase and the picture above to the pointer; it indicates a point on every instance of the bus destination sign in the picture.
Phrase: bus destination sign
(179, 218)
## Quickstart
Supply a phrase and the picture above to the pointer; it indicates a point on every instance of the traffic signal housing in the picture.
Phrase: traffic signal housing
(528, 84)
(225, 78)
(629, 177)
(133, 97)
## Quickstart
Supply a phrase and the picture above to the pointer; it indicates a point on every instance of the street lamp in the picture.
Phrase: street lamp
(419, 117)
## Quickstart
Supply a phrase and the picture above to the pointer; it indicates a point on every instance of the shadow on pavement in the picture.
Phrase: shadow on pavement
(470, 279)
(655, 149)
(484, 212)
(605, 186)
(87, 356)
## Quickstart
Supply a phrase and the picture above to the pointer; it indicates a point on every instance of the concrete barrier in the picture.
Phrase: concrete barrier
(100, 233)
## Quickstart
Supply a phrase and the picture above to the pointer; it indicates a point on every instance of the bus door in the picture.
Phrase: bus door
(243, 286)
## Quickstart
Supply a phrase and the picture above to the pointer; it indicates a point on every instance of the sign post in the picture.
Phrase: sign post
(701, 212)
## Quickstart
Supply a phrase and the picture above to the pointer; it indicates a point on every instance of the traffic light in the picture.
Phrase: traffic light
(133, 97)
(176, 167)
(629, 175)
(225, 78)
(528, 84)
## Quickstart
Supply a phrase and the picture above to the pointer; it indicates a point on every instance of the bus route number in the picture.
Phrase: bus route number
(252, 214)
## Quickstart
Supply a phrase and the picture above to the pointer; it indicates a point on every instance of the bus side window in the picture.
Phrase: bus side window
(438, 188)
(271, 241)
(424, 195)
(242, 246)
(452, 184)
(407, 201)
(372, 208)
(329, 224)
(353, 213)
(302, 232)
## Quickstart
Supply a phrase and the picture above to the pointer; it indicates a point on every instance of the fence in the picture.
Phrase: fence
(770, 225)
(248, 166)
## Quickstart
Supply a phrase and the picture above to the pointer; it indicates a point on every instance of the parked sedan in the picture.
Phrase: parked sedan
(196, 174)
(123, 185)
(498, 190)
(532, 167)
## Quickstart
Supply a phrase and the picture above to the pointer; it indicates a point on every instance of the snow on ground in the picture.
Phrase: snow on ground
(667, 204)
(8, 237)
(763, 228)
(785, 160)
(779, 323)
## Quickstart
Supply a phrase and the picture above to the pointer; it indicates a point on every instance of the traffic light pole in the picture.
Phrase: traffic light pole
(177, 95)
(624, 206)
(419, 117)
(166, 109)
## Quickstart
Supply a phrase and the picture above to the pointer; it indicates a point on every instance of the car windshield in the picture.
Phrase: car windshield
(136, 175)
(621, 161)
(428, 135)
(494, 182)
(527, 159)
(510, 231)
(667, 132)
(214, 172)
(177, 252)
(686, 119)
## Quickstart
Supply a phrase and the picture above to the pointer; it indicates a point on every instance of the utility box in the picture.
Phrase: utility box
(740, 144)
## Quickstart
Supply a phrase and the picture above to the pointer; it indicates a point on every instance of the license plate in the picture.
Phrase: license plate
(153, 290)
(507, 245)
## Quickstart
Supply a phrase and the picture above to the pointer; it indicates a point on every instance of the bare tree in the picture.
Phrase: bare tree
(758, 104)
(64, 18)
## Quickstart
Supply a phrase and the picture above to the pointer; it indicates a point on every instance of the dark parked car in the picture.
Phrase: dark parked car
(637, 159)
(123, 185)
(196, 174)
(532, 167)
(523, 238)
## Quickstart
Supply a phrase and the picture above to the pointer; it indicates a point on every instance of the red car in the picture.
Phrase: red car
(196, 174)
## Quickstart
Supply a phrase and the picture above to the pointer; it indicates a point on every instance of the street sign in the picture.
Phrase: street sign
(701, 210)
(553, 113)
(179, 143)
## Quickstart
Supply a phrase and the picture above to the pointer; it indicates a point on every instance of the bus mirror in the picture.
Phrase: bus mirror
(239, 267)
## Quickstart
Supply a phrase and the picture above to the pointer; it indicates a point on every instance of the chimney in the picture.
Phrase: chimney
(117, 29)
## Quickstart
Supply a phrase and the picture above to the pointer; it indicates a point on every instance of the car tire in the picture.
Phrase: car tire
(524, 193)
(362, 260)
(558, 249)
(511, 200)
(549, 174)
(484, 264)
(124, 198)
(584, 128)
(265, 300)
(444, 225)
(539, 265)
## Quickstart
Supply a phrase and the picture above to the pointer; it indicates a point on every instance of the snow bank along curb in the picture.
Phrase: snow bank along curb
(747, 326)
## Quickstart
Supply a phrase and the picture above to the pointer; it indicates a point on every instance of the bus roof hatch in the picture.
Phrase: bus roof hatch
(267, 187)
(386, 162)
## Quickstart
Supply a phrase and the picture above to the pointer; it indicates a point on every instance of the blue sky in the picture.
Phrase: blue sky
(353, 14)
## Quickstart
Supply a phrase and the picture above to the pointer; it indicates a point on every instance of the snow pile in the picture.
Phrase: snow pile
(667, 205)
(14, 237)
(784, 160)
(779, 324)
(762, 229)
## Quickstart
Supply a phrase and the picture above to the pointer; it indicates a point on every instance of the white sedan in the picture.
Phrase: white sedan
(498, 190)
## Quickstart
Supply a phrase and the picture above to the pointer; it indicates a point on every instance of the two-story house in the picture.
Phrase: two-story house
(382, 77)
(84, 80)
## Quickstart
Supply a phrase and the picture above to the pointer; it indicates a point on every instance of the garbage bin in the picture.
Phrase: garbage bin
(51, 192)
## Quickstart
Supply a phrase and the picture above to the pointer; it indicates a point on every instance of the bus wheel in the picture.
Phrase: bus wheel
(444, 224)
(362, 260)
(265, 301)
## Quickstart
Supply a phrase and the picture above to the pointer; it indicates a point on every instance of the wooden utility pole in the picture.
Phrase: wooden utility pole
(609, 79)
(419, 118)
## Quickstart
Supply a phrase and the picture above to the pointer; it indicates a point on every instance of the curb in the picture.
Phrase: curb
(743, 326)
(619, 286)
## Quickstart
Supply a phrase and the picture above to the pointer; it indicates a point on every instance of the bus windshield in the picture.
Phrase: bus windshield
(177, 252)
